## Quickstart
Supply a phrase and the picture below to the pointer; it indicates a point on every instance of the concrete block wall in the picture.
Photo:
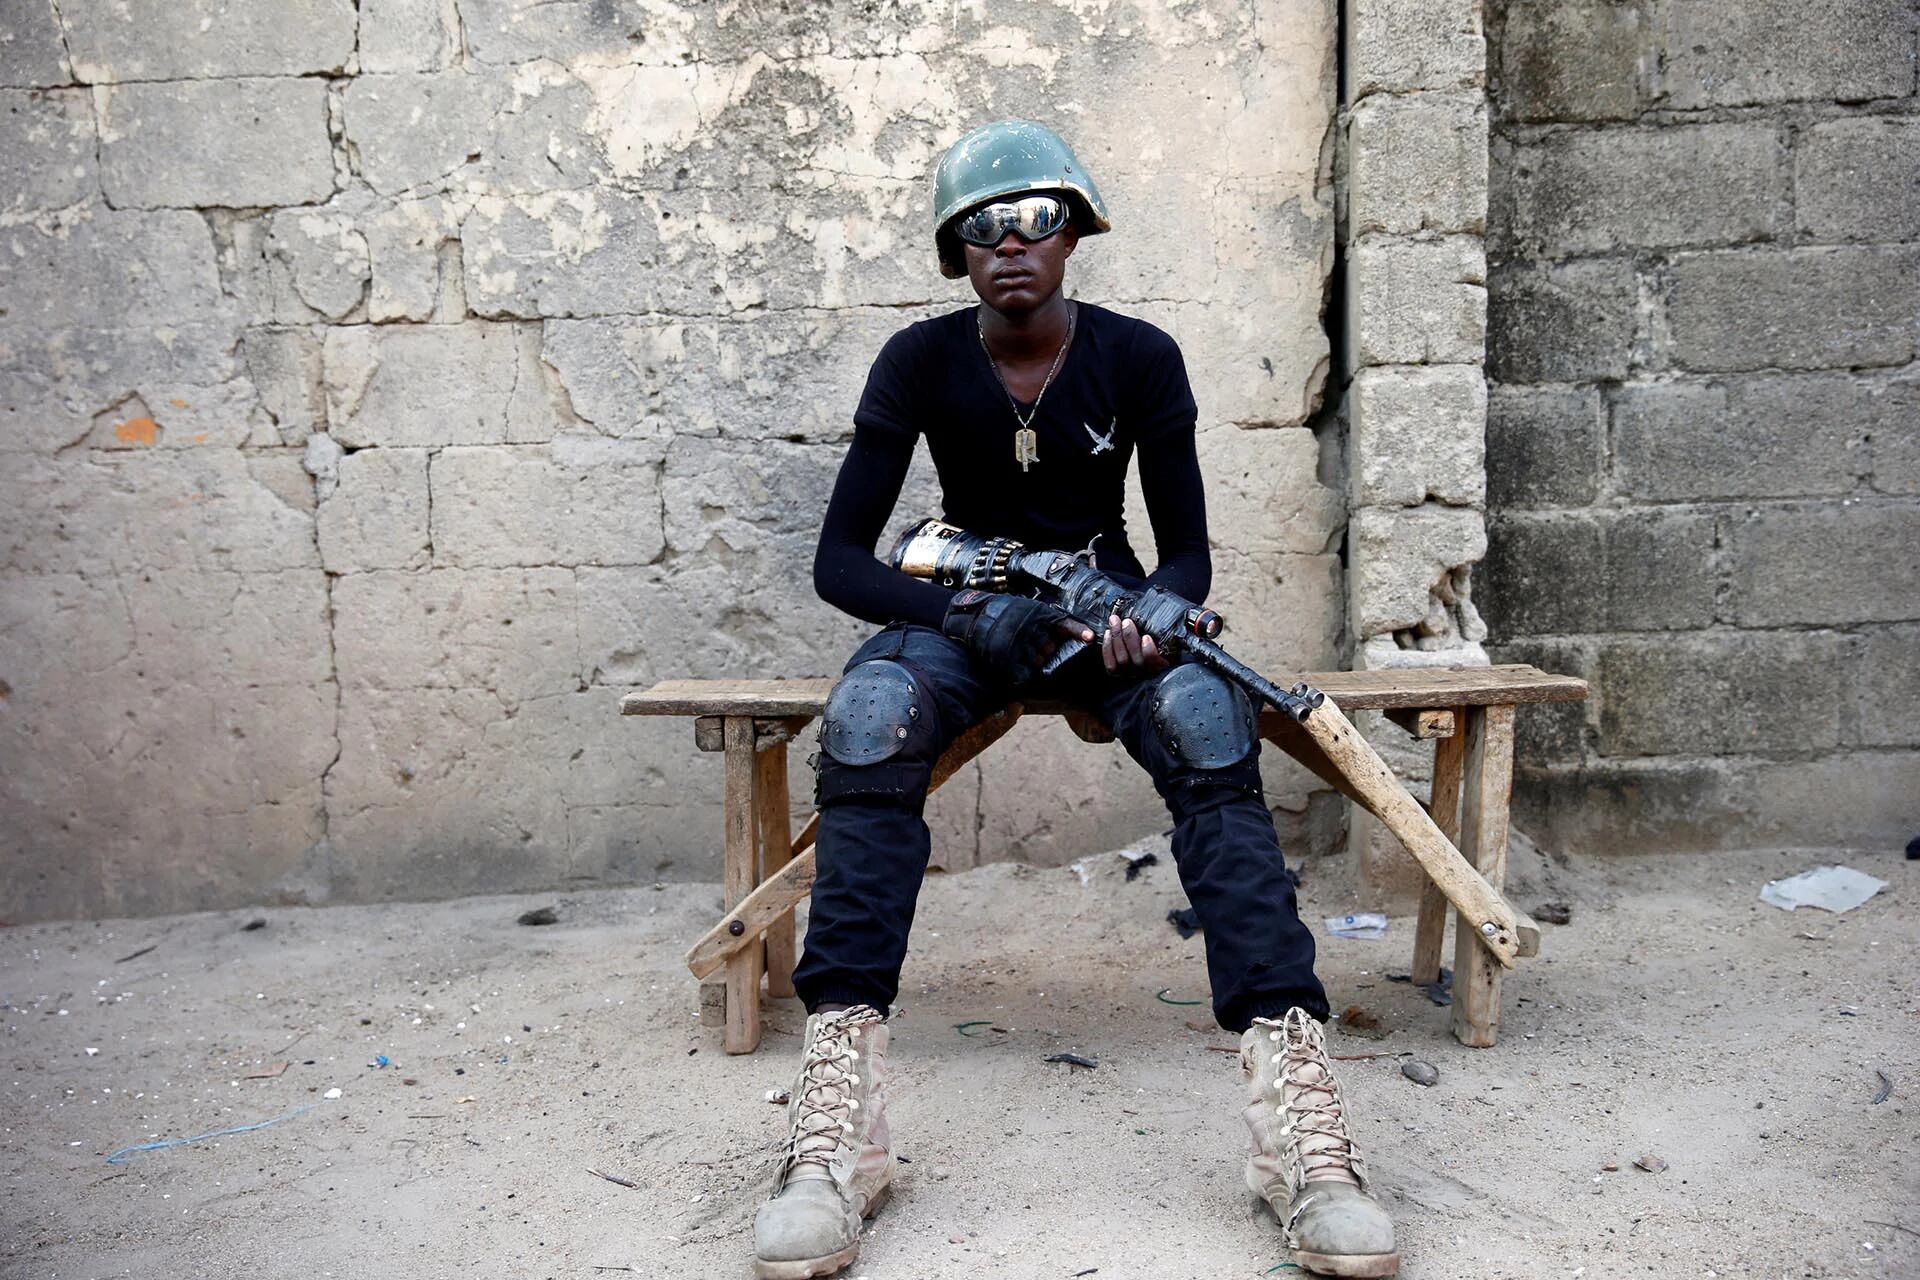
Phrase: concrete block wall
(387, 386)
(1705, 414)
(1412, 228)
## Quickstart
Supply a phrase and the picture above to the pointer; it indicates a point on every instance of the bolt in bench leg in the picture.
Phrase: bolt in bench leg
(1486, 785)
(743, 968)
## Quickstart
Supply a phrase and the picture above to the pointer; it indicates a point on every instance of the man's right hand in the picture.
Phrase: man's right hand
(1012, 635)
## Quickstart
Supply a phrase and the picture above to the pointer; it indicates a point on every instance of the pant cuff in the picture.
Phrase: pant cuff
(1238, 1015)
(844, 995)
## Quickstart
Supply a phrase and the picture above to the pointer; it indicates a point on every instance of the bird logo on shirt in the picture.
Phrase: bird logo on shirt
(1101, 443)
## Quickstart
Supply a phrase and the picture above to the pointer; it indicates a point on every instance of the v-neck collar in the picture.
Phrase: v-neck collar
(1066, 358)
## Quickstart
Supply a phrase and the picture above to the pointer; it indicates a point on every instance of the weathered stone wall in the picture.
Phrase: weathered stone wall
(386, 387)
(1704, 446)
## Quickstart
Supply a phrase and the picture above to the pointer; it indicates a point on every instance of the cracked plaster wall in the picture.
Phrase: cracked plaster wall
(385, 388)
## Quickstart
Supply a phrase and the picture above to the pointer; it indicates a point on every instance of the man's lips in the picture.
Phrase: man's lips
(1012, 277)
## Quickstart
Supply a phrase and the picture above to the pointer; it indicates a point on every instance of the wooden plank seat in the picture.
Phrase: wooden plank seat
(1459, 840)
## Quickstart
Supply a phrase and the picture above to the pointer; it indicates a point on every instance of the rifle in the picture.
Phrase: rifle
(953, 557)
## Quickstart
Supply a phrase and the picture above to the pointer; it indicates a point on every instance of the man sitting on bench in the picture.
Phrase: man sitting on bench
(1032, 406)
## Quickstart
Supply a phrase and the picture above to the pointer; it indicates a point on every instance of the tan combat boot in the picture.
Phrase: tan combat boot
(1304, 1164)
(838, 1164)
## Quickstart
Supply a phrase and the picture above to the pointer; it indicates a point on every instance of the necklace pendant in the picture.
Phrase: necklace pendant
(1026, 447)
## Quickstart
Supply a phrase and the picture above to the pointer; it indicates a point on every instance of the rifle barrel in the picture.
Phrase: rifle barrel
(1212, 655)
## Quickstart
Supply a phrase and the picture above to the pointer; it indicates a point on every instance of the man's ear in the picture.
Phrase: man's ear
(1072, 235)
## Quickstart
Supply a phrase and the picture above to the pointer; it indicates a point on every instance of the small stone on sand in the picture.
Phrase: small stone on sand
(1421, 1073)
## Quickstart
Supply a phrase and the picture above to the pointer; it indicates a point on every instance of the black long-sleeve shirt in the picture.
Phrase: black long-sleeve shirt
(1122, 388)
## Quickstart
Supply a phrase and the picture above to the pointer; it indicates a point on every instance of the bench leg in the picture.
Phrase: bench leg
(1430, 932)
(1486, 784)
(776, 850)
(743, 967)
(791, 885)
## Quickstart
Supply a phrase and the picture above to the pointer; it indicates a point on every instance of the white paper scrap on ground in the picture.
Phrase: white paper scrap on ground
(1367, 924)
(1834, 889)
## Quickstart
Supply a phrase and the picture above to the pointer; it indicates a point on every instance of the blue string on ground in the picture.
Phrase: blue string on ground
(120, 1156)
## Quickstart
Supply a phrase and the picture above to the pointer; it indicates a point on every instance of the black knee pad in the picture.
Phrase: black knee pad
(880, 733)
(1204, 720)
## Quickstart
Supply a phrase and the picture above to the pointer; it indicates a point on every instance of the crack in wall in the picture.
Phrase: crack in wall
(212, 77)
(458, 32)
(433, 555)
(66, 40)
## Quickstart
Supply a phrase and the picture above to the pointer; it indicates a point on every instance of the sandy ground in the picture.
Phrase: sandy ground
(1675, 1016)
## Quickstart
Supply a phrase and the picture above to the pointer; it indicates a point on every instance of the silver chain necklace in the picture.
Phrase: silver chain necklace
(1025, 441)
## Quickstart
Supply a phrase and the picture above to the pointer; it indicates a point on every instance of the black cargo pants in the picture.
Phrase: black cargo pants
(873, 843)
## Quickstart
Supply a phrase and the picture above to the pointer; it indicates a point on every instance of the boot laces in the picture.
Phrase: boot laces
(824, 1101)
(1314, 1117)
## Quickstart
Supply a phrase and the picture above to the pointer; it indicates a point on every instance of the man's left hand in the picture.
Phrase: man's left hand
(1124, 649)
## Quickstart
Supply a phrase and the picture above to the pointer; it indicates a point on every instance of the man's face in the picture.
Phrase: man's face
(1014, 277)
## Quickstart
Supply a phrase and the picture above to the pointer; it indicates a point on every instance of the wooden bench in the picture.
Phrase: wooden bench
(1468, 710)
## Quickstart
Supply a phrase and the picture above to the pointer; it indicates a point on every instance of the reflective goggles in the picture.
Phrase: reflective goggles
(1032, 218)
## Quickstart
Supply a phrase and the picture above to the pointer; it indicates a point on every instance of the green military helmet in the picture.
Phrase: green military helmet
(1002, 159)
